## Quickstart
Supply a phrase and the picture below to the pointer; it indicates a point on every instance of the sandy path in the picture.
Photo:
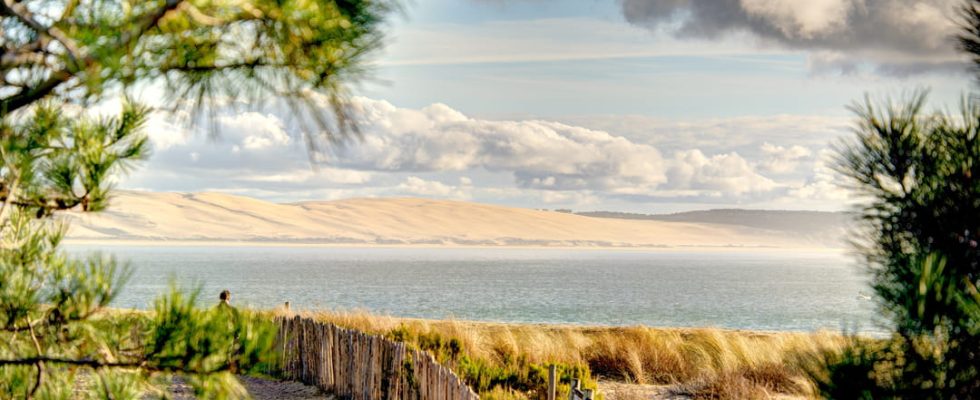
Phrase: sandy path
(626, 391)
(267, 389)
(262, 389)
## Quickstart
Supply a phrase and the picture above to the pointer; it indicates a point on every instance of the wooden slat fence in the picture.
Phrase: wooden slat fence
(354, 365)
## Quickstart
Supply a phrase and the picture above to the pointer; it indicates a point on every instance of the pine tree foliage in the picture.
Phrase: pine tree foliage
(918, 173)
(201, 51)
(58, 338)
(968, 39)
(55, 330)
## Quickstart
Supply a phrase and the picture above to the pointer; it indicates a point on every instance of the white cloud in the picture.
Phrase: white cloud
(166, 133)
(439, 152)
(539, 154)
(251, 152)
(780, 159)
(824, 184)
(577, 199)
(257, 131)
(718, 175)
(551, 156)
(421, 187)
(307, 175)
(745, 134)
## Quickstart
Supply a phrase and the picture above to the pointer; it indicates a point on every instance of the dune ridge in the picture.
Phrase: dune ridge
(162, 217)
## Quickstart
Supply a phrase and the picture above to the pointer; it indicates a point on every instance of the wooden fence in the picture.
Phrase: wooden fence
(354, 365)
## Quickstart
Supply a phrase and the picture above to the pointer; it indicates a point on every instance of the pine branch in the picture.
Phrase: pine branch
(17, 59)
(41, 322)
(99, 364)
(39, 365)
(22, 14)
(27, 96)
(149, 21)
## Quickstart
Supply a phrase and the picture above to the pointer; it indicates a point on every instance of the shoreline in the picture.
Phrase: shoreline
(431, 246)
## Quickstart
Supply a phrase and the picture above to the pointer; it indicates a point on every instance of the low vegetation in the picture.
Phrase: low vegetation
(510, 360)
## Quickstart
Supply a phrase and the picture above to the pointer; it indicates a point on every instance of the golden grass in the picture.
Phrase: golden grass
(706, 363)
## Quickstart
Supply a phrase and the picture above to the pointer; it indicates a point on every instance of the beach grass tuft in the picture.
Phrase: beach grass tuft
(503, 360)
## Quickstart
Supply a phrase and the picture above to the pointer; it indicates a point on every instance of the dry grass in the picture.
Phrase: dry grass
(708, 363)
(625, 391)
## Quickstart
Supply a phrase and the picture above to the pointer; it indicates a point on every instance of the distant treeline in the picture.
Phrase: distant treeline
(782, 220)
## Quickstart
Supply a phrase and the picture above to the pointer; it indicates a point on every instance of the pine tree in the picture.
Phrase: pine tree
(918, 172)
(57, 334)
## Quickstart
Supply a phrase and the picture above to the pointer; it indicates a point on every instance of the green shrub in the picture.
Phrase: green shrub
(513, 378)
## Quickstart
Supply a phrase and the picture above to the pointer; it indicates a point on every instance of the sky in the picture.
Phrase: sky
(645, 106)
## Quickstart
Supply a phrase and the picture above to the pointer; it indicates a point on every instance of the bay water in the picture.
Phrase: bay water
(738, 289)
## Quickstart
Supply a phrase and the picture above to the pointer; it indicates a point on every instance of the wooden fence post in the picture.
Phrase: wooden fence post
(355, 365)
(552, 382)
(573, 391)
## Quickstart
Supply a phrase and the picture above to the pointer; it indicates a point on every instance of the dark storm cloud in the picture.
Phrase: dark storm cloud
(890, 33)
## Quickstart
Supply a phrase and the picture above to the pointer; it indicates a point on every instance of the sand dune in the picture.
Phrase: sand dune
(145, 216)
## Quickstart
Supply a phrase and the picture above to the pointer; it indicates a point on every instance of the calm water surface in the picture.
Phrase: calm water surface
(745, 290)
